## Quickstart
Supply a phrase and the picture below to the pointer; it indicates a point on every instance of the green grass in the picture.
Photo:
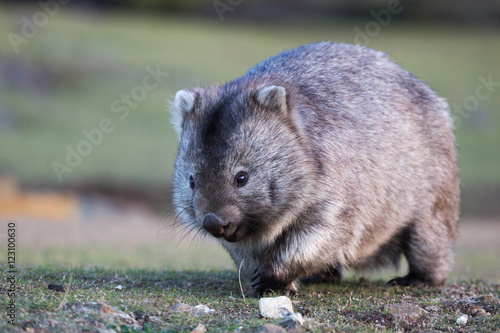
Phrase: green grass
(349, 306)
(83, 62)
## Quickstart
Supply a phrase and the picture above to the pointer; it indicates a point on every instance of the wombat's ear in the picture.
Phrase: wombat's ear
(273, 97)
(183, 103)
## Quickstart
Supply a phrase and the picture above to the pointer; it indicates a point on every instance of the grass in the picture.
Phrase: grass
(166, 272)
(65, 79)
(158, 271)
(350, 306)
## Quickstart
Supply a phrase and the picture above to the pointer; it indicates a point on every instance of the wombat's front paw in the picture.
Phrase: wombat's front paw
(266, 280)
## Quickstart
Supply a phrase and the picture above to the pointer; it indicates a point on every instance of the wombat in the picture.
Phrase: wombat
(323, 158)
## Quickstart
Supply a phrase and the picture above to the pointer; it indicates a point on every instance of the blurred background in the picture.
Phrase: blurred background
(87, 149)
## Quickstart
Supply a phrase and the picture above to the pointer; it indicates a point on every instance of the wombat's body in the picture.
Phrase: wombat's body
(324, 157)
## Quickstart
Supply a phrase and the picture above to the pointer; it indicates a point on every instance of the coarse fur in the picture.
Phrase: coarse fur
(324, 157)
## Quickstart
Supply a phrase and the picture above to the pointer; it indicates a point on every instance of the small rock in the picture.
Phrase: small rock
(405, 310)
(292, 320)
(270, 307)
(107, 309)
(432, 308)
(154, 319)
(462, 320)
(181, 307)
(199, 329)
(476, 311)
(124, 317)
(195, 311)
(119, 287)
(104, 309)
(201, 310)
(271, 328)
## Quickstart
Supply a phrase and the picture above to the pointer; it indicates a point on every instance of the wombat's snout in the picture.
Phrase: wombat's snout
(219, 228)
(214, 225)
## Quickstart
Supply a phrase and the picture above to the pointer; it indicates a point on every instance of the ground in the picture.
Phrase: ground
(133, 246)
(148, 297)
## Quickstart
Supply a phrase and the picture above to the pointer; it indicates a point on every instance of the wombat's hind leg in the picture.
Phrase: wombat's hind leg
(428, 248)
(332, 274)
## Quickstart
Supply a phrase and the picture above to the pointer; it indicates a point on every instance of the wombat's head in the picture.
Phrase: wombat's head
(242, 171)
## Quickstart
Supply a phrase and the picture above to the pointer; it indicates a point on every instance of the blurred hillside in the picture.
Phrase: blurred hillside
(479, 12)
(84, 84)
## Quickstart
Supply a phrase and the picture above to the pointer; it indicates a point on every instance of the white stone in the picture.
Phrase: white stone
(275, 307)
(432, 308)
(462, 320)
(200, 310)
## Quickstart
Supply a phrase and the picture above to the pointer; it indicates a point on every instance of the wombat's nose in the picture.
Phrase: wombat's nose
(214, 225)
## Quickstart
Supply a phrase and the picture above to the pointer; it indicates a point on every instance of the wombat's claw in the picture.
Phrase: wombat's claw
(256, 277)
(259, 287)
(265, 282)
(255, 271)
(256, 282)
(259, 290)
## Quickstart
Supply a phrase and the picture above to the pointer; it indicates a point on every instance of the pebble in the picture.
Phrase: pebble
(432, 308)
(195, 311)
(292, 321)
(275, 307)
(155, 319)
(201, 310)
(405, 310)
(199, 329)
(476, 311)
(181, 307)
(104, 309)
(462, 320)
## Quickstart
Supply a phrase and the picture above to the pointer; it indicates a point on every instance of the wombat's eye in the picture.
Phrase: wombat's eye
(191, 182)
(241, 178)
